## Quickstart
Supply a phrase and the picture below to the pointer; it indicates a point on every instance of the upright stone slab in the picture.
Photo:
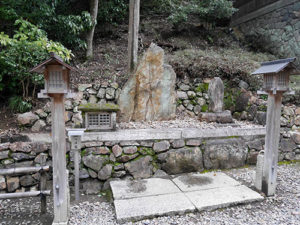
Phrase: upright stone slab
(149, 94)
(216, 95)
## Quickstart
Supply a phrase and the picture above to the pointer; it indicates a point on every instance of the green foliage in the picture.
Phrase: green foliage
(54, 16)
(28, 47)
(112, 11)
(207, 10)
(17, 104)
(202, 88)
(204, 108)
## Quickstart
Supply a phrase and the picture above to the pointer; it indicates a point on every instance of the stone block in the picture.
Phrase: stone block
(105, 172)
(225, 154)
(117, 150)
(182, 160)
(140, 168)
(27, 181)
(95, 162)
(91, 186)
(4, 155)
(130, 149)
(296, 137)
(193, 142)
(161, 146)
(27, 119)
(216, 95)
(13, 183)
(2, 183)
(178, 143)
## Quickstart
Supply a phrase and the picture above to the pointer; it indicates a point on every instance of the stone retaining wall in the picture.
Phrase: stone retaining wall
(274, 28)
(145, 153)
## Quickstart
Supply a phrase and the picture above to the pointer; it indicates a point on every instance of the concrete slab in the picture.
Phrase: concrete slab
(142, 188)
(197, 181)
(148, 207)
(222, 197)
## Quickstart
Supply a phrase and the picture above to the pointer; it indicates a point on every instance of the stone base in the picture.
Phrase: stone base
(219, 117)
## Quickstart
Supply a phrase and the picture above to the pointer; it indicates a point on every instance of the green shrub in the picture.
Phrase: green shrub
(28, 47)
(207, 10)
(112, 11)
(17, 104)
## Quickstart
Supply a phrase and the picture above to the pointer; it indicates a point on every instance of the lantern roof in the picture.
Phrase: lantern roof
(275, 66)
(53, 60)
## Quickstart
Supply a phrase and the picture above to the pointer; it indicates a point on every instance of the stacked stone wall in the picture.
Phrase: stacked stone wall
(104, 161)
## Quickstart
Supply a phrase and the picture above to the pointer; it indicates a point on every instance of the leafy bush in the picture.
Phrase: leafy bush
(54, 16)
(17, 104)
(112, 11)
(207, 10)
(28, 47)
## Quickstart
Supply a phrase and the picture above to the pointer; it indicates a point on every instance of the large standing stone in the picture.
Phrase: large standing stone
(27, 118)
(225, 154)
(149, 94)
(140, 168)
(216, 95)
(182, 160)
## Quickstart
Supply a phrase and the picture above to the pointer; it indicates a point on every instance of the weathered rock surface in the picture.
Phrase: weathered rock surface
(27, 118)
(95, 162)
(225, 154)
(296, 137)
(27, 181)
(216, 95)
(149, 94)
(2, 183)
(140, 168)
(161, 146)
(117, 150)
(38, 126)
(220, 117)
(13, 183)
(105, 172)
(182, 160)
(4, 155)
(90, 187)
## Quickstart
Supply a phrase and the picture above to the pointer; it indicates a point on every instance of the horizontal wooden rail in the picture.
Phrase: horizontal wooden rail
(25, 194)
(20, 170)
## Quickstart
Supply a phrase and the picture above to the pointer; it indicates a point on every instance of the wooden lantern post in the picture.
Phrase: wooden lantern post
(133, 32)
(57, 87)
(276, 82)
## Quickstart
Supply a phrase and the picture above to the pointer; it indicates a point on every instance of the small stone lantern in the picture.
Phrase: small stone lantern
(99, 117)
(276, 75)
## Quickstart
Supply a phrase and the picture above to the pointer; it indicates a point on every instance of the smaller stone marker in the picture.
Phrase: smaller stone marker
(216, 95)
(216, 99)
(259, 170)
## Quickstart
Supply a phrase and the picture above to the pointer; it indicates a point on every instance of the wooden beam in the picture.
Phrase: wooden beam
(271, 144)
(43, 184)
(21, 170)
(24, 194)
(60, 177)
(134, 20)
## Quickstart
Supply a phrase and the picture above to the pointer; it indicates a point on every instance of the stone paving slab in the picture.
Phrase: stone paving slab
(222, 197)
(141, 199)
(151, 206)
(142, 188)
(197, 181)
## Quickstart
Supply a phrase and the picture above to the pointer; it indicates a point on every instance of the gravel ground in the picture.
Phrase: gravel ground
(184, 122)
(283, 208)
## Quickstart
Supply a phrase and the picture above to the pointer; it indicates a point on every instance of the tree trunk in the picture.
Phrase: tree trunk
(90, 33)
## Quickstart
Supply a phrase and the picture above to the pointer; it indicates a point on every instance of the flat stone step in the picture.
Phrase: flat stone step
(148, 207)
(147, 198)
(222, 197)
(197, 181)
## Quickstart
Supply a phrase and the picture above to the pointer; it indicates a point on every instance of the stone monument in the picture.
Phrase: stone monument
(216, 97)
(149, 94)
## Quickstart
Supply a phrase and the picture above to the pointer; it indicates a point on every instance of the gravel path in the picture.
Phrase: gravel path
(284, 208)
(184, 122)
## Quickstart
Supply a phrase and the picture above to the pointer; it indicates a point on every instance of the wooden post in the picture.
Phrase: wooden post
(272, 143)
(60, 177)
(43, 184)
(133, 31)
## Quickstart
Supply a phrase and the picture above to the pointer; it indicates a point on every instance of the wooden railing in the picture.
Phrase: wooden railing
(43, 180)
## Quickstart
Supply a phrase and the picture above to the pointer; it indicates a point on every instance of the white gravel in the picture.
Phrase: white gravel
(284, 208)
(184, 122)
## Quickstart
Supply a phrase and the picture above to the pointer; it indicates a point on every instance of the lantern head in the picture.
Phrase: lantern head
(57, 76)
(276, 75)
